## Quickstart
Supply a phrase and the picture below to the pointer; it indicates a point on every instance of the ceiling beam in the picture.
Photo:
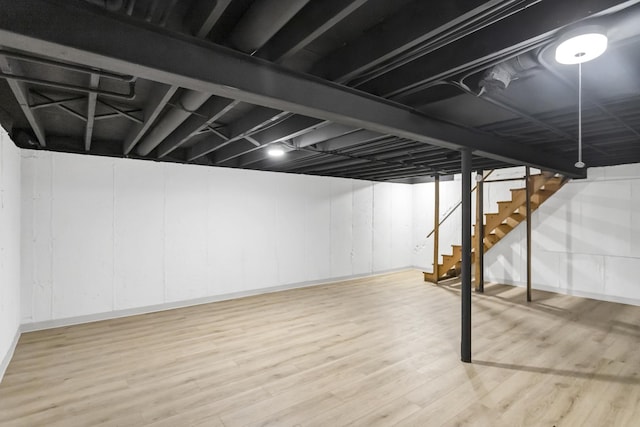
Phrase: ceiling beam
(213, 109)
(331, 12)
(310, 23)
(434, 29)
(331, 131)
(283, 131)
(528, 27)
(172, 59)
(349, 140)
(64, 108)
(203, 15)
(261, 21)
(201, 20)
(396, 35)
(91, 111)
(245, 126)
(160, 97)
(22, 97)
(287, 130)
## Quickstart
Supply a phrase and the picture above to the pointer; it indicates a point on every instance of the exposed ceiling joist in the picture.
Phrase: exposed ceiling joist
(261, 21)
(310, 23)
(507, 35)
(175, 60)
(91, 111)
(22, 97)
(214, 108)
(400, 33)
(204, 15)
(201, 20)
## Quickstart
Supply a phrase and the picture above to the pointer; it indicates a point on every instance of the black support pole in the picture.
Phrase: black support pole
(436, 231)
(465, 346)
(528, 208)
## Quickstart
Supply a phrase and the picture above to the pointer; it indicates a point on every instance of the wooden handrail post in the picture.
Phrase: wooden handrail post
(479, 249)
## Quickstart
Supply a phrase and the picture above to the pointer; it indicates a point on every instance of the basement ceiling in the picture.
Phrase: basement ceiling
(368, 89)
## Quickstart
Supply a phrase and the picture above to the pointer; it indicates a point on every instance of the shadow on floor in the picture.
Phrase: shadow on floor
(579, 311)
(562, 372)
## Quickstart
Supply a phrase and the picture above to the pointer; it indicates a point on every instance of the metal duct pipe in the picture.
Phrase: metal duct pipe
(258, 25)
(501, 75)
(190, 101)
(112, 5)
(263, 19)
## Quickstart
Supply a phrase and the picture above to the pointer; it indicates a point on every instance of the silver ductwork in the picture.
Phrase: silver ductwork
(501, 75)
(189, 102)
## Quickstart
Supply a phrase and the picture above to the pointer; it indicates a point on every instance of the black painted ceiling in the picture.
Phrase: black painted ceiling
(425, 61)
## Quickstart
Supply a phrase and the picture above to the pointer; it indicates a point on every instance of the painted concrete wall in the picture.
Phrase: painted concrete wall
(586, 239)
(103, 234)
(423, 224)
(9, 247)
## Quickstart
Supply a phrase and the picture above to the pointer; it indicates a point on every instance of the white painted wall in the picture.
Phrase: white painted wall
(423, 214)
(9, 247)
(103, 234)
(586, 240)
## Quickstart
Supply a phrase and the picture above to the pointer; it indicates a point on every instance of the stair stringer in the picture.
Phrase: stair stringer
(511, 213)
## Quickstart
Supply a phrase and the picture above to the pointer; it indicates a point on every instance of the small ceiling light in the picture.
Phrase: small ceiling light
(275, 151)
(581, 45)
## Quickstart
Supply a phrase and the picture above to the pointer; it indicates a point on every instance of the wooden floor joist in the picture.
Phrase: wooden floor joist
(372, 351)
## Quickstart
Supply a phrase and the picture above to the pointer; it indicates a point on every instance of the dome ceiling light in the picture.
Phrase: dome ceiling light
(582, 47)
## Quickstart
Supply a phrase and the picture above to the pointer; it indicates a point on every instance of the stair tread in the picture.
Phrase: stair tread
(499, 224)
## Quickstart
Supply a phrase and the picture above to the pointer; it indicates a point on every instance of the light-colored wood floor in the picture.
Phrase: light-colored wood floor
(377, 351)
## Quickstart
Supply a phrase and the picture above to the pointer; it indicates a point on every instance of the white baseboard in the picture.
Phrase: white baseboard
(591, 295)
(68, 321)
(4, 364)
(428, 269)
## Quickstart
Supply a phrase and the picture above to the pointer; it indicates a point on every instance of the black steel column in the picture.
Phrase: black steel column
(528, 208)
(465, 347)
(436, 231)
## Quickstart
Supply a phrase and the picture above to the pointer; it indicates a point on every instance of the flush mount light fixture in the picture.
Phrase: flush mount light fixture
(581, 45)
(576, 47)
(275, 151)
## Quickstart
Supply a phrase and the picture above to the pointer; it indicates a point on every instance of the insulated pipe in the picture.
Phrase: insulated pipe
(502, 74)
(190, 101)
(263, 19)
(250, 33)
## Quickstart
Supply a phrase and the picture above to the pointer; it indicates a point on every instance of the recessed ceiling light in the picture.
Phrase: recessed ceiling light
(581, 45)
(275, 151)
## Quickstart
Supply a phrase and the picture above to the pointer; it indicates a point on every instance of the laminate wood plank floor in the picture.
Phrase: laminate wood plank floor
(374, 351)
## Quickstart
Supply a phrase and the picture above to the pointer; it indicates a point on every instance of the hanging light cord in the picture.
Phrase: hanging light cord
(580, 164)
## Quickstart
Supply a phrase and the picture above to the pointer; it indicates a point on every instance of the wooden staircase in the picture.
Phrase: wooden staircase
(497, 225)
